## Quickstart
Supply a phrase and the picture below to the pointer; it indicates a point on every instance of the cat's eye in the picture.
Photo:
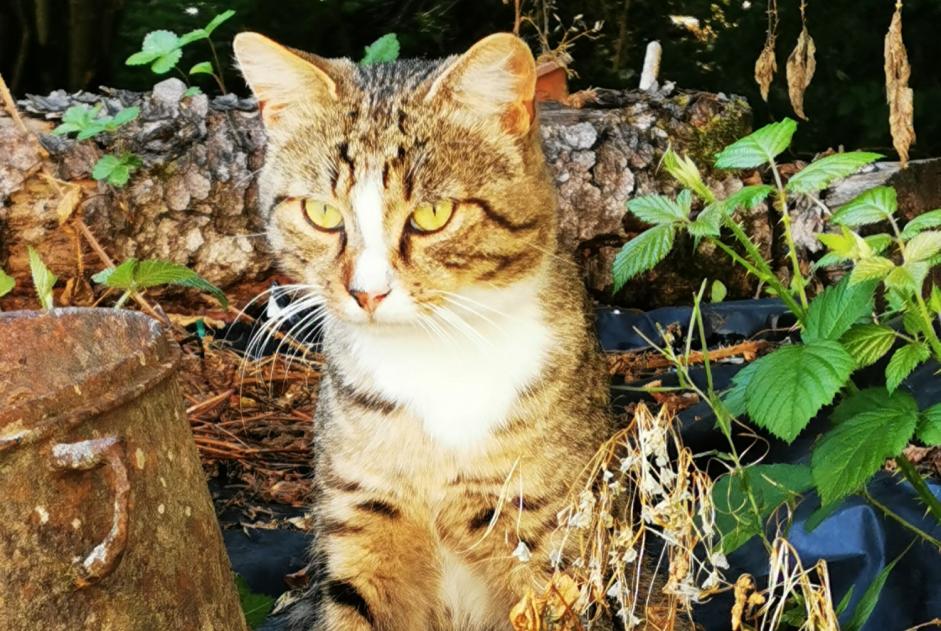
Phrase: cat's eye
(322, 215)
(428, 217)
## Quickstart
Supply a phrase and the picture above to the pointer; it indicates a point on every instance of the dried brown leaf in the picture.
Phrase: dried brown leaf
(68, 203)
(898, 94)
(765, 68)
(801, 66)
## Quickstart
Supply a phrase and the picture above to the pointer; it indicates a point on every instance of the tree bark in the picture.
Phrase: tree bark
(193, 200)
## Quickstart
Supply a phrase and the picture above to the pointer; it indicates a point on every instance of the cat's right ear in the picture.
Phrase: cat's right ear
(281, 78)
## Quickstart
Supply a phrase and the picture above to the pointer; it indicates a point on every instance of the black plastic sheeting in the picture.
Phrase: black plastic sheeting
(856, 540)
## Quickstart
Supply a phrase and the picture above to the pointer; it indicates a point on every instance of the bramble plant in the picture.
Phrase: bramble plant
(841, 330)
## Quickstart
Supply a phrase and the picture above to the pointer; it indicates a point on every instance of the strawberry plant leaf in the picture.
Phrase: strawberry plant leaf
(656, 209)
(642, 253)
(217, 21)
(875, 428)
(929, 426)
(875, 205)
(123, 117)
(833, 312)
(819, 174)
(868, 343)
(193, 36)
(923, 221)
(758, 148)
(7, 283)
(903, 362)
(43, 279)
(793, 383)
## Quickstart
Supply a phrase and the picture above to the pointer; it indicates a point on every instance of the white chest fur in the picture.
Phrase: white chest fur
(462, 383)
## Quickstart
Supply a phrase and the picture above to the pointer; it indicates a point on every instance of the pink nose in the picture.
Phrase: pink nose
(368, 300)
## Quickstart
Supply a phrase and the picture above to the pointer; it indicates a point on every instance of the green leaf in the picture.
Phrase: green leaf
(215, 22)
(748, 197)
(843, 245)
(656, 209)
(929, 426)
(43, 279)
(166, 63)
(736, 398)
(642, 253)
(872, 268)
(141, 58)
(384, 49)
(256, 607)
(934, 300)
(845, 601)
(832, 313)
(875, 205)
(686, 173)
(7, 283)
(923, 221)
(123, 117)
(819, 174)
(718, 291)
(758, 148)
(867, 603)
(79, 115)
(134, 275)
(105, 165)
(867, 343)
(193, 90)
(923, 246)
(65, 128)
(876, 426)
(160, 42)
(879, 242)
(903, 362)
(193, 36)
(709, 221)
(908, 279)
(770, 486)
(119, 175)
(794, 382)
(90, 131)
(203, 67)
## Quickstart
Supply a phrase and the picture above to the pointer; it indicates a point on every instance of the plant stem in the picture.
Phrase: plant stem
(215, 57)
(898, 518)
(788, 234)
(908, 470)
(123, 299)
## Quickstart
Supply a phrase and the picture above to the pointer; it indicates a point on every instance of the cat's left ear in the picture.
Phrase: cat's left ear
(495, 78)
(282, 78)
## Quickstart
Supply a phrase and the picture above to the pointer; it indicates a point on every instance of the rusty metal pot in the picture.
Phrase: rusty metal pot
(105, 518)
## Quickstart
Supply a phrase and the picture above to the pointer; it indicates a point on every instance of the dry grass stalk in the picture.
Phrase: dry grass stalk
(788, 578)
(631, 489)
(898, 94)
(767, 65)
(800, 70)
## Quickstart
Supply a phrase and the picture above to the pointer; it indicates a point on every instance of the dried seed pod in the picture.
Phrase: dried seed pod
(765, 67)
(800, 70)
(899, 95)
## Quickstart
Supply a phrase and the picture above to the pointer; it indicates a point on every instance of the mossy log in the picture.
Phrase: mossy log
(193, 200)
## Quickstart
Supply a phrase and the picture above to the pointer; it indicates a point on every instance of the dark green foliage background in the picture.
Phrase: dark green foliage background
(85, 44)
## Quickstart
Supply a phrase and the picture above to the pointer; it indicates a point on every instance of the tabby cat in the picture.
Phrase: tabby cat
(464, 391)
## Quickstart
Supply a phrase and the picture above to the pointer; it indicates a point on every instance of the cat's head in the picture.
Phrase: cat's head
(396, 189)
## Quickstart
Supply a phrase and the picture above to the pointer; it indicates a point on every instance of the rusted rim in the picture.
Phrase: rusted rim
(109, 386)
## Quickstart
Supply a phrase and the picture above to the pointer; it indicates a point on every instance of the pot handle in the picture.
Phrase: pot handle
(86, 455)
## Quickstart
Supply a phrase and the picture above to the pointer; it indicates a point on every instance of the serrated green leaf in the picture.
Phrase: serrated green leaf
(65, 128)
(105, 165)
(124, 117)
(877, 428)
(872, 268)
(642, 253)
(151, 273)
(842, 244)
(119, 175)
(911, 322)
(879, 243)
(929, 426)
(718, 292)
(908, 278)
(794, 382)
(203, 67)
(90, 131)
(43, 279)
(819, 174)
(215, 22)
(903, 362)
(827, 260)
(7, 283)
(758, 148)
(868, 343)
(875, 205)
(193, 90)
(256, 607)
(923, 221)
(748, 197)
(78, 115)
(656, 209)
(833, 312)
(120, 277)
(166, 63)
(708, 223)
(736, 398)
(160, 42)
(383, 50)
(934, 300)
(141, 58)
(770, 486)
(193, 36)
(923, 246)
(686, 173)
(870, 597)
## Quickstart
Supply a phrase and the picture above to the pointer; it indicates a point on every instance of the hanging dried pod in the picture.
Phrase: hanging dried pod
(767, 65)
(899, 95)
(800, 70)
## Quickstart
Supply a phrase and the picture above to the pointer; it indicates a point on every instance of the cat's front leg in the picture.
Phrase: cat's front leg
(376, 564)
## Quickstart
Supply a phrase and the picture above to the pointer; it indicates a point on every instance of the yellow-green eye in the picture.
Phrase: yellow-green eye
(322, 214)
(429, 217)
